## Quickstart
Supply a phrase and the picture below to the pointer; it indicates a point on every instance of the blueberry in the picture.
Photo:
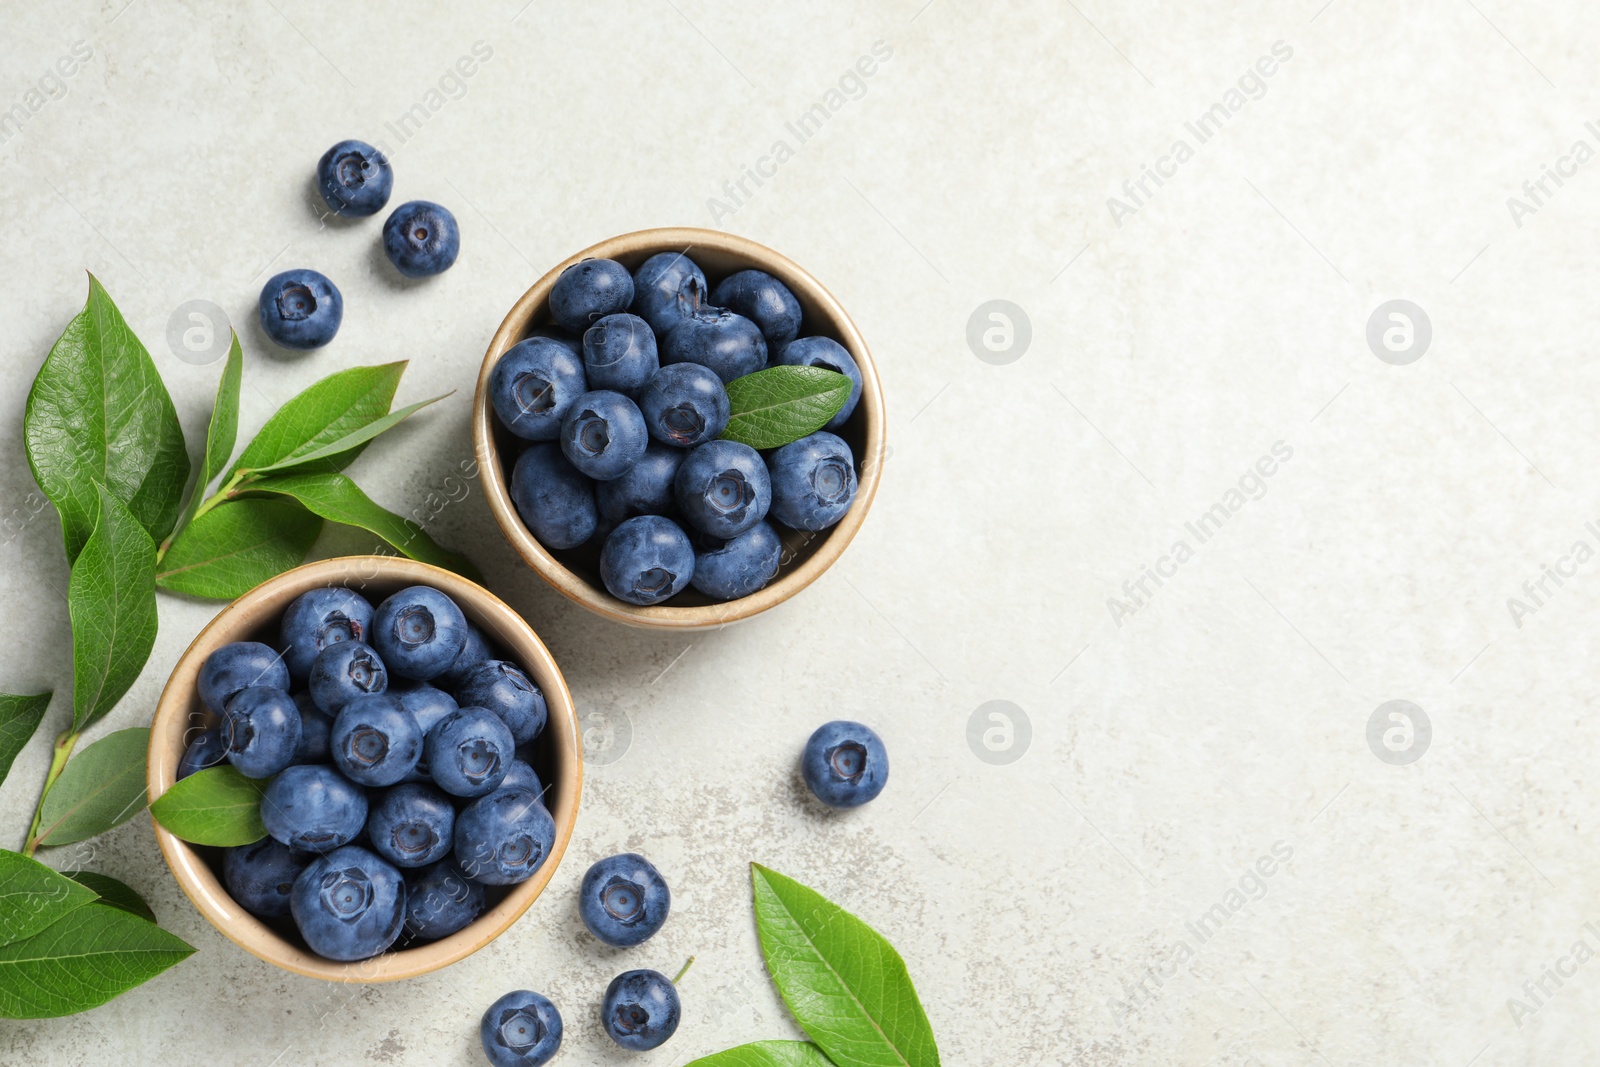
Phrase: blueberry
(828, 354)
(428, 706)
(729, 344)
(503, 838)
(521, 1029)
(623, 900)
(344, 671)
(419, 632)
(375, 741)
(261, 726)
(533, 386)
(641, 1010)
(260, 877)
(646, 488)
(723, 488)
(354, 178)
(588, 291)
(845, 764)
(300, 309)
(320, 618)
(469, 752)
(646, 560)
(666, 287)
(684, 405)
(572, 341)
(505, 689)
(440, 901)
(314, 730)
(412, 825)
(522, 776)
(764, 300)
(207, 749)
(736, 567)
(473, 652)
(619, 352)
(421, 239)
(813, 481)
(553, 498)
(314, 808)
(237, 666)
(603, 434)
(349, 904)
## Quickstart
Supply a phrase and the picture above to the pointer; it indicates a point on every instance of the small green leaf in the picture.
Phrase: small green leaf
(338, 499)
(326, 412)
(32, 896)
(222, 431)
(215, 806)
(778, 405)
(236, 546)
(112, 892)
(102, 787)
(111, 599)
(847, 986)
(84, 959)
(19, 718)
(767, 1054)
(349, 440)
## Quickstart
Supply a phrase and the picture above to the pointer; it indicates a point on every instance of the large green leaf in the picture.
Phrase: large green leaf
(98, 414)
(102, 787)
(767, 1054)
(781, 404)
(350, 440)
(111, 598)
(32, 896)
(236, 546)
(215, 806)
(846, 985)
(112, 892)
(326, 412)
(93, 954)
(19, 718)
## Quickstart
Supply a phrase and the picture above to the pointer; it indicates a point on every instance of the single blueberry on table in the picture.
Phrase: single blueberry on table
(320, 618)
(314, 730)
(646, 560)
(206, 749)
(349, 905)
(645, 489)
(412, 825)
(300, 309)
(624, 900)
(354, 179)
(261, 876)
(588, 291)
(344, 671)
(521, 1029)
(553, 498)
(441, 900)
(828, 354)
(261, 727)
(716, 338)
(723, 488)
(313, 808)
(845, 764)
(765, 301)
(666, 287)
(505, 689)
(641, 1010)
(734, 567)
(533, 386)
(419, 632)
(421, 239)
(469, 752)
(473, 652)
(603, 434)
(813, 481)
(238, 666)
(620, 353)
(685, 405)
(375, 741)
(521, 775)
(503, 838)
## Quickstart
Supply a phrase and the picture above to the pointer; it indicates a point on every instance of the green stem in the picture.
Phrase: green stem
(685, 970)
(58, 762)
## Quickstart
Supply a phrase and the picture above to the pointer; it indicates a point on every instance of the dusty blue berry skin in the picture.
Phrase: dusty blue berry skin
(619, 353)
(641, 1010)
(588, 291)
(421, 239)
(684, 405)
(349, 905)
(236, 666)
(666, 287)
(428, 706)
(728, 344)
(624, 900)
(469, 752)
(313, 808)
(261, 727)
(813, 481)
(723, 488)
(344, 671)
(441, 900)
(521, 1029)
(503, 838)
(419, 632)
(845, 764)
(731, 568)
(604, 434)
(260, 876)
(522, 776)
(355, 179)
(314, 730)
(828, 354)
(646, 560)
(505, 689)
(534, 385)
(206, 749)
(473, 652)
(317, 619)
(300, 309)
(553, 498)
(412, 825)
(645, 489)
(375, 741)
(765, 301)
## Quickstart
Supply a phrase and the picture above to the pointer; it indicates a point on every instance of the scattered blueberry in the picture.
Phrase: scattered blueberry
(261, 726)
(314, 730)
(505, 689)
(354, 178)
(469, 752)
(344, 671)
(731, 568)
(533, 386)
(349, 904)
(553, 498)
(412, 825)
(207, 749)
(764, 300)
(375, 741)
(588, 291)
(845, 764)
(603, 434)
(300, 309)
(320, 618)
(261, 876)
(813, 481)
(619, 352)
(723, 488)
(313, 808)
(646, 560)
(623, 900)
(503, 838)
(645, 488)
(828, 354)
(440, 901)
(666, 287)
(684, 405)
(419, 632)
(729, 344)
(421, 239)
(521, 1029)
(238, 666)
(641, 1010)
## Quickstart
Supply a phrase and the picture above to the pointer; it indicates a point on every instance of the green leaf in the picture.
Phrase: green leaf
(215, 806)
(32, 896)
(338, 499)
(223, 429)
(113, 893)
(236, 546)
(19, 718)
(846, 985)
(767, 1054)
(326, 412)
(102, 787)
(781, 404)
(111, 598)
(98, 414)
(93, 954)
(350, 440)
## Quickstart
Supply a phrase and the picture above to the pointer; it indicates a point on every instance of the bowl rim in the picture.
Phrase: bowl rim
(701, 616)
(178, 698)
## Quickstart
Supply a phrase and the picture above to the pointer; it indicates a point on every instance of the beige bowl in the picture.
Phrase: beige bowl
(576, 572)
(254, 617)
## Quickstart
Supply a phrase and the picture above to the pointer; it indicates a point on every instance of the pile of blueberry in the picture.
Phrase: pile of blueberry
(624, 399)
(302, 308)
(400, 751)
